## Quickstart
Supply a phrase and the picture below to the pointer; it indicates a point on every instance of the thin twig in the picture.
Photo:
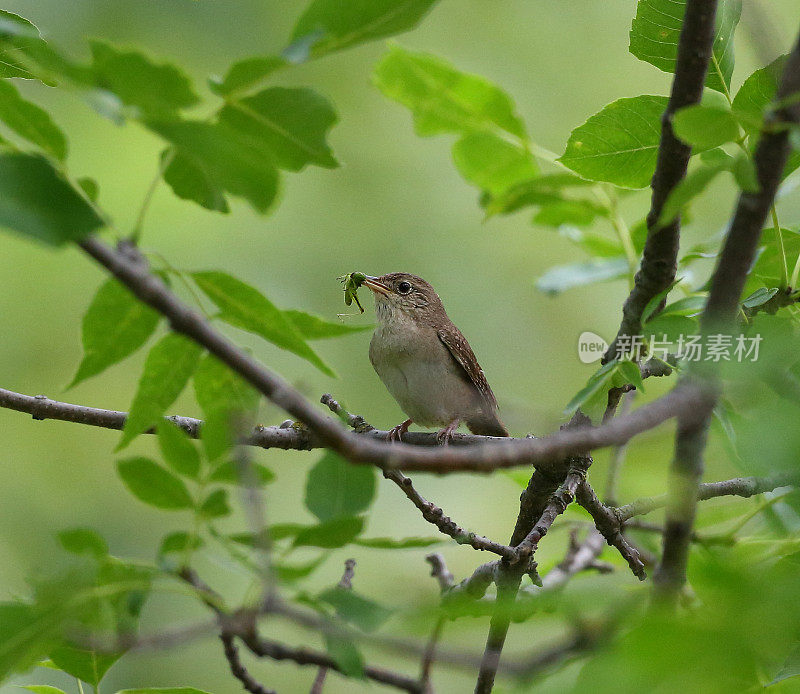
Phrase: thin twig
(608, 524)
(738, 486)
(430, 511)
(345, 583)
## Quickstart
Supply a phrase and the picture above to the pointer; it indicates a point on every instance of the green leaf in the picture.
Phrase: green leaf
(346, 655)
(652, 305)
(562, 277)
(690, 305)
(569, 211)
(769, 264)
(228, 473)
(24, 54)
(89, 666)
(705, 127)
(760, 297)
(695, 182)
(594, 243)
(790, 667)
(31, 122)
(756, 94)
(178, 450)
(442, 98)
(329, 25)
(671, 326)
(33, 634)
(163, 690)
(619, 144)
(212, 159)
(545, 189)
(179, 542)
(631, 373)
(287, 573)
(657, 26)
(245, 307)
(362, 612)
(156, 91)
(744, 171)
(215, 505)
(168, 367)
(83, 540)
(246, 73)
(753, 100)
(43, 689)
(89, 186)
(151, 483)
(190, 182)
(228, 402)
(291, 123)
(115, 325)
(492, 163)
(336, 488)
(334, 533)
(391, 543)
(597, 383)
(35, 200)
(313, 327)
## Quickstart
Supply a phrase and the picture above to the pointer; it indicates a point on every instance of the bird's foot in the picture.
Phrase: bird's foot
(443, 436)
(396, 433)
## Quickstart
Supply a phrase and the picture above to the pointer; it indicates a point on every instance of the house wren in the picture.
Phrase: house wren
(425, 361)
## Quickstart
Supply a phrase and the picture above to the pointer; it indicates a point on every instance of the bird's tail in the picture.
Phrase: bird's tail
(487, 425)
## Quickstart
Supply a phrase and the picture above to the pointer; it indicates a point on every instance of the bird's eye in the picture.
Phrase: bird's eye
(404, 287)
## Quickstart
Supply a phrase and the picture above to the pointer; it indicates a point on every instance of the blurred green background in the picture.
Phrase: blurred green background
(396, 203)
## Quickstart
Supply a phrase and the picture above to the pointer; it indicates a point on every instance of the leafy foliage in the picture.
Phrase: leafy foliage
(327, 26)
(115, 325)
(657, 27)
(37, 201)
(240, 150)
(31, 122)
(336, 488)
(245, 307)
(618, 145)
(168, 368)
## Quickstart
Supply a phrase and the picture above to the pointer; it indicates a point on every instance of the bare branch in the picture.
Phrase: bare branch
(440, 571)
(738, 486)
(685, 474)
(609, 526)
(727, 284)
(659, 258)
(430, 511)
(345, 583)
(238, 670)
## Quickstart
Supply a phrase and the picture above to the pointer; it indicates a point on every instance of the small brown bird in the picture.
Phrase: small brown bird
(425, 361)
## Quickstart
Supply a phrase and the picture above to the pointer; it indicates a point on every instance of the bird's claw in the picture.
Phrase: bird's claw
(444, 436)
(396, 432)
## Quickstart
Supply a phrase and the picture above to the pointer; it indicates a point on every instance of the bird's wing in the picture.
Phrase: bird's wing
(463, 354)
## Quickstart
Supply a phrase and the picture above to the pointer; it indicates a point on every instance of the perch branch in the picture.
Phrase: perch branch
(128, 266)
(660, 254)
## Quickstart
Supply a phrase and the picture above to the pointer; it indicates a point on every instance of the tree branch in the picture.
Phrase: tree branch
(131, 270)
(659, 258)
(727, 283)
(610, 528)
(430, 511)
(345, 583)
(738, 486)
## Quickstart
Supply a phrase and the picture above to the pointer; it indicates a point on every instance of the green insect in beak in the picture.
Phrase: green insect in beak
(352, 281)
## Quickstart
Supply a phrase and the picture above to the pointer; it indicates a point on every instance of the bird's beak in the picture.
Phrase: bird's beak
(376, 285)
